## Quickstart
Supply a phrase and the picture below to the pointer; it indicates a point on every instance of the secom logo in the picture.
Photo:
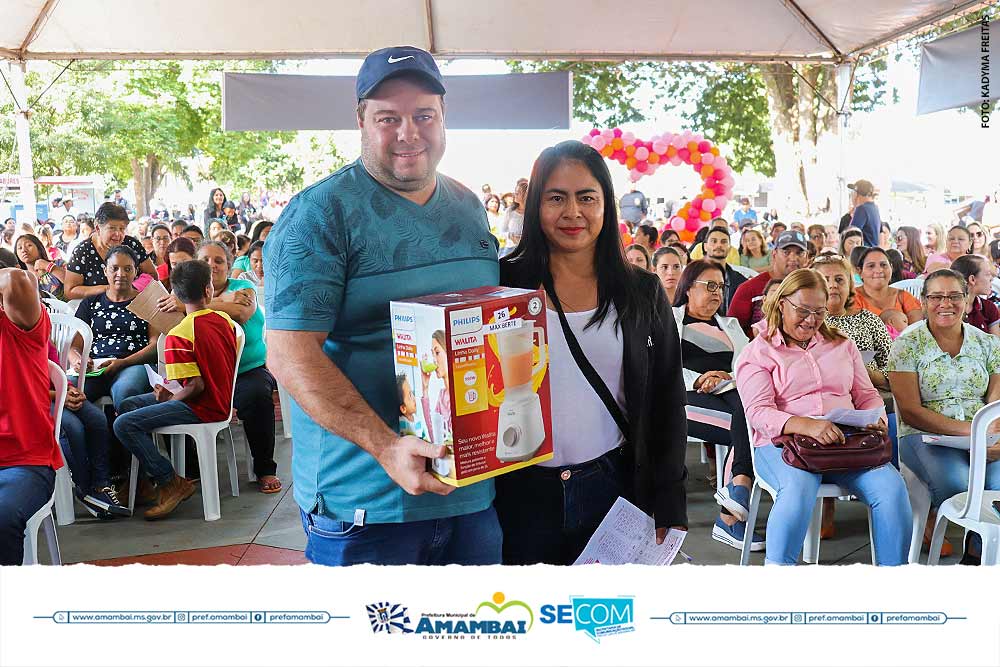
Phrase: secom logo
(596, 617)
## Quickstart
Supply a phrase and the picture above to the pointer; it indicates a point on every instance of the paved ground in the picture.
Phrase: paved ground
(256, 528)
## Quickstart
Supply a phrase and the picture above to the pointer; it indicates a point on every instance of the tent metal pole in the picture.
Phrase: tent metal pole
(845, 93)
(27, 174)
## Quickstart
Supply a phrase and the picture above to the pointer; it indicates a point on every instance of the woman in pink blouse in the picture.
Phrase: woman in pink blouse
(797, 368)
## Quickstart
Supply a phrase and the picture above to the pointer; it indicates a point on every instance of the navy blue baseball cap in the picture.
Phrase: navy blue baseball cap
(393, 61)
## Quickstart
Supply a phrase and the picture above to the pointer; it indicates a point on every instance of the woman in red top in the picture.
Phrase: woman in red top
(29, 455)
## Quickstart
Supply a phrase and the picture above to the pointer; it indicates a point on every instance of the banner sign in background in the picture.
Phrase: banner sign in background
(591, 615)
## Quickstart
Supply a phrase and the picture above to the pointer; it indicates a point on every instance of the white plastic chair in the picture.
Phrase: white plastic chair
(973, 509)
(920, 502)
(284, 400)
(744, 270)
(64, 329)
(43, 517)
(57, 306)
(205, 441)
(912, 285)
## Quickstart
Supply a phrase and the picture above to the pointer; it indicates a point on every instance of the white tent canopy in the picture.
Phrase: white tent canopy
(816, 30)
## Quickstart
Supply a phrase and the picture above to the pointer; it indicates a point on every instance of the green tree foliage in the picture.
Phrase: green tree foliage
(140, 121)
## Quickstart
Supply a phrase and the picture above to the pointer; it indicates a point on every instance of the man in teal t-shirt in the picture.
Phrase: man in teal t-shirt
(384, 227)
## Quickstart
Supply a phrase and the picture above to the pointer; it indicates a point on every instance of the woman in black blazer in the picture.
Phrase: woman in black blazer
(629, 443)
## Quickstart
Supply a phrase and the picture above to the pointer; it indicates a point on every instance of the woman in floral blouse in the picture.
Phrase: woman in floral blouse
(942, 372)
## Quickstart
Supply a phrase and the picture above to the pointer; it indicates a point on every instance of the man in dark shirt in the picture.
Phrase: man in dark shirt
(789, 254)
(717, 248)
(866, 216)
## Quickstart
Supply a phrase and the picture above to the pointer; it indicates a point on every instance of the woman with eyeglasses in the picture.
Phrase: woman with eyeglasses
(866, 330)
(798, 367)
(908, 244)
(709, 344)
(942, 372)
(980, 241)
(875, 293)
(958, 243)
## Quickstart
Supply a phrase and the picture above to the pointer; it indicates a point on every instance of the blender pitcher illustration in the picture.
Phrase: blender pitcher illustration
(520, 430)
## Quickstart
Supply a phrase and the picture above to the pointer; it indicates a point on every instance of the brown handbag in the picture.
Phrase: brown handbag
(862, 450)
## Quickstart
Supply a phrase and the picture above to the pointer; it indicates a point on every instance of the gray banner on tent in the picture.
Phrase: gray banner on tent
(482, 102)
(951, 69)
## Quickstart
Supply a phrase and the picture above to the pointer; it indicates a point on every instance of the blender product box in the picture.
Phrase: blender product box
(471, 374)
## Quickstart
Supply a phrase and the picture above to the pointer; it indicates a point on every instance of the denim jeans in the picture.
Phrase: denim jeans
(84, 442)
(23, 491)
(944, 470)
(548, 514)
(138, 417)
(470, 539)
(880, 488)
(126, 383)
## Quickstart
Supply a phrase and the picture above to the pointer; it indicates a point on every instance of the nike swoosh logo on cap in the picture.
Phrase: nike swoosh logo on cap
(396, 60)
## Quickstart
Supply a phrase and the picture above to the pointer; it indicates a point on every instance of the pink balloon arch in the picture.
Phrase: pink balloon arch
(643, 158)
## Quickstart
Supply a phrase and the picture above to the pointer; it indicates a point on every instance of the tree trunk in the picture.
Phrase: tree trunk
(148, 177)
(802, 128)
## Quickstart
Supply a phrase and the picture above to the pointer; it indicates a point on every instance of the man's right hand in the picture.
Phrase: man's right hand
(405, 460)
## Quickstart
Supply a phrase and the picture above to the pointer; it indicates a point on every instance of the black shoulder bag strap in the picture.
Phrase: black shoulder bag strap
(586, 368)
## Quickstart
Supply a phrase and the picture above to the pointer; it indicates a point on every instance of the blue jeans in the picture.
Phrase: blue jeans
(126, 383)
(548, 514)
(880, 488)
(84, 442)
(944, 470)
(137, 418)
(470, 539)
(23, 491)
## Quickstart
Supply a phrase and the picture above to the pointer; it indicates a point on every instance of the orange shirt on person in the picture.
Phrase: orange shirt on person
(905, 302)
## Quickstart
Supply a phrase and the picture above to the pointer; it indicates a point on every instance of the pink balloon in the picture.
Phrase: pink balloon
(709, 205)
(720, 161)
(660, 147)
(586, 139)
(703, 146)
(594, 132)
(608, 134)
(641, 153)
(693, 225)
(675, 160)
(684, 154)
(729, 181)
(617, 132)
(628, 138)
(707, 158)
(678, 142)
(634, 176)
(641, 167)
(722, 201)
(598, 142)
(678, 224)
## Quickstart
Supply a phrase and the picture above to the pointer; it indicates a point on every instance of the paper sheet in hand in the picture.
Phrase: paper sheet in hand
(856, 418)
(144, 307)
(155, 378)
(957, 441)
(626, 535)
(724, 386)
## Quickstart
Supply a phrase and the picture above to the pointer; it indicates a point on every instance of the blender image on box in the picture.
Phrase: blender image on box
(520, 429)
(472, 375)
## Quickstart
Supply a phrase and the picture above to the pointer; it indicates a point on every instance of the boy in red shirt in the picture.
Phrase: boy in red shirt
(200, 353)
(29, 454)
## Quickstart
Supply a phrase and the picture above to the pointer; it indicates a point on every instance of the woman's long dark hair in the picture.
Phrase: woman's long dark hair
(616, 278)
(211, 201)
(37, 242)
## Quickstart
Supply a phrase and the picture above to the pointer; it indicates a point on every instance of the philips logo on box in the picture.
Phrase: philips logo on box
(403, 319)
(468, 320)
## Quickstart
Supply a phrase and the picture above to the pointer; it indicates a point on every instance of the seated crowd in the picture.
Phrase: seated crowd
(109, 417)
(771, 332)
